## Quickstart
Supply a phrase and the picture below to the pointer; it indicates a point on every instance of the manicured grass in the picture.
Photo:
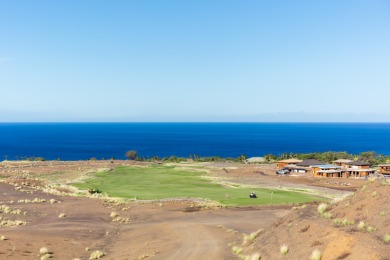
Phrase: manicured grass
(170, 182)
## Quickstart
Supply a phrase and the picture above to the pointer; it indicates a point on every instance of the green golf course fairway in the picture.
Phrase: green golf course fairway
(170, 182)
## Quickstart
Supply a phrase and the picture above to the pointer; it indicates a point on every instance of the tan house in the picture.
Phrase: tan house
(354, 173)
(327, 170)
(359, 169)
(384, 169)
(283, 163)
(358, 165)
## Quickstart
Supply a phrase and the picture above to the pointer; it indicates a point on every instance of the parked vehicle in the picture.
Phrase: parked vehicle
(283, 171)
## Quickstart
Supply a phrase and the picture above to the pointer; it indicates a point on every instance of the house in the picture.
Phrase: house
(309, 163)
(353, 172)
(342, 162)
(359, 169)
(256, 160)
(328, 170)
(358, 165)
(295, 168)
(283, 163)
(384, 169)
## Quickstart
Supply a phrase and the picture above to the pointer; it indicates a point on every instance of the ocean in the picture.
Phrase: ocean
(80, 141)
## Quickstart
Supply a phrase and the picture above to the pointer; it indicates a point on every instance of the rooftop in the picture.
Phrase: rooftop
(292, 160)
(328, 166)
(359, 163)
(361, 170)
(342, 161)
(310, 162)
(256, 159)
(330, 171)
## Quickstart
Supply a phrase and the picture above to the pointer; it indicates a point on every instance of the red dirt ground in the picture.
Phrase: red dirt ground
(182, 230)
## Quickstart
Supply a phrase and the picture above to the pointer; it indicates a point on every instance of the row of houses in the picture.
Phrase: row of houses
(342, 168)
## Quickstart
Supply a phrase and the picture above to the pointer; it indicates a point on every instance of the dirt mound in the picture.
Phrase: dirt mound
(354, 228)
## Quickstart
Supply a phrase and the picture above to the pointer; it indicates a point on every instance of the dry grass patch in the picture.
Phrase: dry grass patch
(249, 238)
(53, 201)
(322, 208)
(44, 253)
(316, 255)
(237, 250)
(12, 223)
(96, 254)
(255, 256)
(362, 225)
(284, 249)
(343, 222)
(370, 229)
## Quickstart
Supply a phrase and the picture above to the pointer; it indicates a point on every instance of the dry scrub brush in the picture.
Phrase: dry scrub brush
(283, 249)
(96, 254)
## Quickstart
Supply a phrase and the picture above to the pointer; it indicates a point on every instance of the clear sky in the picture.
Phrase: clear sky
(200, 60)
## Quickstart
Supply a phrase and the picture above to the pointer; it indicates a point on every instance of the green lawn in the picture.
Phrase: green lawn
(169, 182)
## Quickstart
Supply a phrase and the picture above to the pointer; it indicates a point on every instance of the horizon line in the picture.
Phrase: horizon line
(196, 122)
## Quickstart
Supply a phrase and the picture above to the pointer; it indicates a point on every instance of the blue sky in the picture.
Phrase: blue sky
(194, 60)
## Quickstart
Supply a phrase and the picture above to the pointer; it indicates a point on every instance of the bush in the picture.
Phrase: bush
(322, 208)
(93, 191)
(252, 236)
(362, 225)
(386, 238)
(343, 222)
(283, 249)
(237, 250)
(97, 254)
(131, 155)
(371, 229)
(316, 255)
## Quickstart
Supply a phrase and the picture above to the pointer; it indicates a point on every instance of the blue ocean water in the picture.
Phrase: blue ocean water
(79, 141)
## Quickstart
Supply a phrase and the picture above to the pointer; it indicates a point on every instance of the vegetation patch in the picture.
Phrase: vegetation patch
(249, 238)
(322, 208)
(154, 183)
(316, 255)
(237, 250)
(343, 222)
(362, 225)
(97, 254)
(283, 249)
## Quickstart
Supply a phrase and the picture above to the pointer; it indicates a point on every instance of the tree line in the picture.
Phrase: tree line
(326, 157)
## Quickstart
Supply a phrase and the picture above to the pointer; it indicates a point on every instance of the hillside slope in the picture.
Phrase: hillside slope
(354, 228)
